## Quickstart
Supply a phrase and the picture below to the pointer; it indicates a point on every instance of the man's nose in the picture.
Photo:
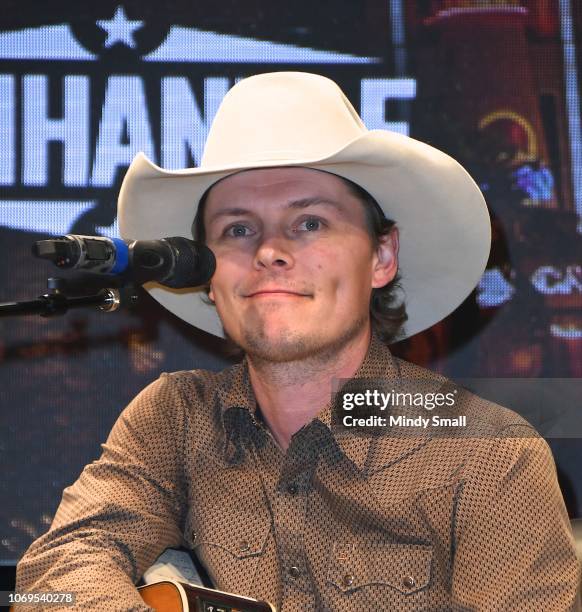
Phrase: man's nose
(274, 251)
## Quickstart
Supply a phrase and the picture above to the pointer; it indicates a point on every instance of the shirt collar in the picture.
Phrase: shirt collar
(239, 405)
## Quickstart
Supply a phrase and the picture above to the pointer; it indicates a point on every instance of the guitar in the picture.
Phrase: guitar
(172, 596)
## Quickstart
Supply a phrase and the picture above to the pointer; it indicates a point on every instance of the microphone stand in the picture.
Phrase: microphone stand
(56, 303)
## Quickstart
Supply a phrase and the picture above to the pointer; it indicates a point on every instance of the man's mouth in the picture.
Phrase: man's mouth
(276, 292)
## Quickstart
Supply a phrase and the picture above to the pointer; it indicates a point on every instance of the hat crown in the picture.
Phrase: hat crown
(279, 116)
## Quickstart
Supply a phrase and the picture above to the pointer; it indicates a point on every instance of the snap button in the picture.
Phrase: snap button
(244, 546)
(409, 582)
(292, 488)
(294, 572)
(348, 580)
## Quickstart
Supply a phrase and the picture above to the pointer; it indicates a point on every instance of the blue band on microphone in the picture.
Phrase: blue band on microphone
(121, 256)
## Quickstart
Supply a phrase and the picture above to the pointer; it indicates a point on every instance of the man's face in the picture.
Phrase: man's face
(295, 265)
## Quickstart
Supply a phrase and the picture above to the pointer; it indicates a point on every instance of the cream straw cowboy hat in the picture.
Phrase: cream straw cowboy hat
(303, 119)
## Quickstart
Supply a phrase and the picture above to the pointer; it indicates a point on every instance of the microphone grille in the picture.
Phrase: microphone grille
(194, 263)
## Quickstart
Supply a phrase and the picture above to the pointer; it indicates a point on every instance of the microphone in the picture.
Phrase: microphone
(174, 262)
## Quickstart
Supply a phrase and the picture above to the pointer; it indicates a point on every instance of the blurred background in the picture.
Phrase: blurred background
(86, 86)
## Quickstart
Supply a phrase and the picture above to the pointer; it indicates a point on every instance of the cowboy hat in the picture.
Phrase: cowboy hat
(302, 119)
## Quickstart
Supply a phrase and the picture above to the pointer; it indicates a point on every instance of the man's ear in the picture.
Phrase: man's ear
(211, 293)
(386, 259)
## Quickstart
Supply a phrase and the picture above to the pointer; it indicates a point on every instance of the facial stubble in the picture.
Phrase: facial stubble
(311, 349)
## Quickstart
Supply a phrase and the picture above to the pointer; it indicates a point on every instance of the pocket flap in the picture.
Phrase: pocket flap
(241, 535)
(404, 567)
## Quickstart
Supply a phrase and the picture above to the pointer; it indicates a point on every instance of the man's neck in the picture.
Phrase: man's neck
(291, 394)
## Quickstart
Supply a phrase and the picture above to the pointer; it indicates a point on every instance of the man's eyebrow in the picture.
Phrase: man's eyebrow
(305, 202)
(229, 212)
(302, 203)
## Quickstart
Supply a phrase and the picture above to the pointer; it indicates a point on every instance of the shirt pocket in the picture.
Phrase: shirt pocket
(382, 575)
(230, 545)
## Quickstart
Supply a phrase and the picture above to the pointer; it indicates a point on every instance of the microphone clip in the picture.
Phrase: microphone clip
(56, 302)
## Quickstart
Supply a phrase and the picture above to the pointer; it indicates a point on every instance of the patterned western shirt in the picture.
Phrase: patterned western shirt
(341, 521)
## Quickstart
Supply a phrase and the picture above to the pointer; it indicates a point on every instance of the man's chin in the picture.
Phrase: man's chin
(281, 346)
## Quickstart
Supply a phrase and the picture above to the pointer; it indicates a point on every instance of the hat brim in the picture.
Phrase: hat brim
(443, 221)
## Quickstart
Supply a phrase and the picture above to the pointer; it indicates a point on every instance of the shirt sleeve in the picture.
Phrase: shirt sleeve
(514, 548)
(121, 513)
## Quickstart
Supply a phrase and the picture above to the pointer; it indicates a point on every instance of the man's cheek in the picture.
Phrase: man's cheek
(334, 287)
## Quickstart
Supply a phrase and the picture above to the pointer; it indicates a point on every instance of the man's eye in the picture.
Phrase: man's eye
(311, 224)
(236, 230)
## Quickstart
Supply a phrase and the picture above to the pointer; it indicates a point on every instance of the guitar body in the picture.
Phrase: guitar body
(165, 597)
(172, 596)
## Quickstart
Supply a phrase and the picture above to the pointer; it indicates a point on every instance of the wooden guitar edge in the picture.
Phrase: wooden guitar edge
(165, 596)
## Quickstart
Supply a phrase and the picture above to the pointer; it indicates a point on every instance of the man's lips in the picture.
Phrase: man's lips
(267, 292)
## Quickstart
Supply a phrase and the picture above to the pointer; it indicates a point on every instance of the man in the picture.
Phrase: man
(250, 466)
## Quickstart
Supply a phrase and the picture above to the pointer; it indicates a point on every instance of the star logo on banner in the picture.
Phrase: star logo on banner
(120, 29)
